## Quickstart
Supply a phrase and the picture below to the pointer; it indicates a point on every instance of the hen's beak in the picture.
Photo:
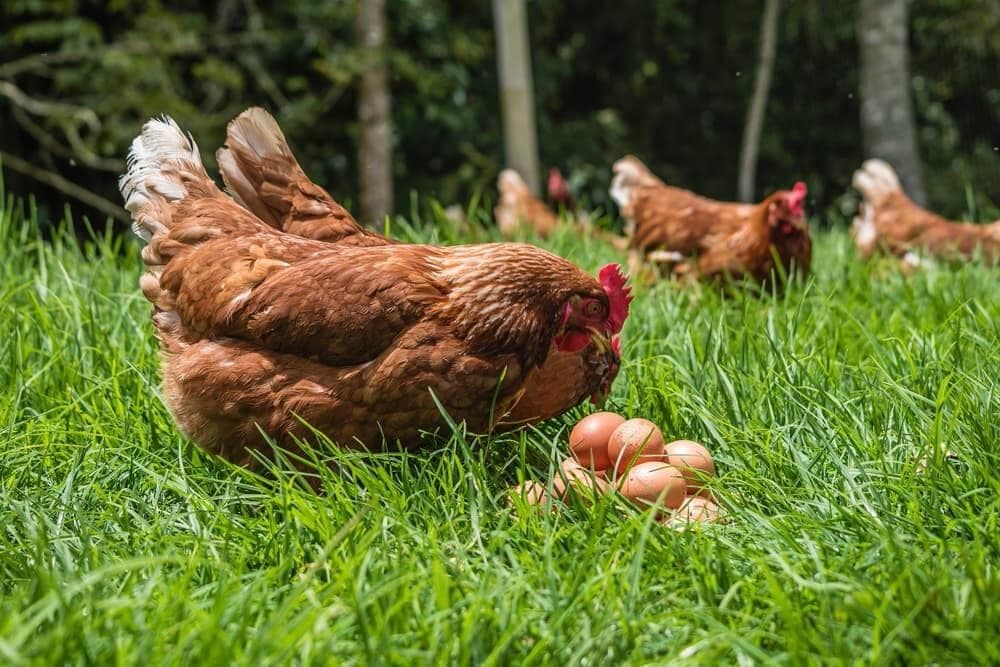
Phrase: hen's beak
(601, 339)
(605, 344)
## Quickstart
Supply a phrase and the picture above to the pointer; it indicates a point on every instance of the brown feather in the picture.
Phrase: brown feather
(261, 173)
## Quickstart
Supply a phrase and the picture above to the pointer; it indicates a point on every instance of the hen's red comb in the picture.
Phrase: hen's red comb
(797, 197)
(557, 185)
(619, 296)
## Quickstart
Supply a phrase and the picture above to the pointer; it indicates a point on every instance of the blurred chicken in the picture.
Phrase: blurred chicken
(264, 331)
(517, 206)
(701, 237)
(559, 192)
(889, 222)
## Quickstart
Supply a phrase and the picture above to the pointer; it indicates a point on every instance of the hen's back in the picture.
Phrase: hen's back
(658, 215)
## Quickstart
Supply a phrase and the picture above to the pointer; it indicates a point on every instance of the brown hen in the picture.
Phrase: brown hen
(889, 222)
(696, 236)
(268, 333)
(517, 207)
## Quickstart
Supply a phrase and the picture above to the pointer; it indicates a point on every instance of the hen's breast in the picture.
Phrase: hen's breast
(562, 382)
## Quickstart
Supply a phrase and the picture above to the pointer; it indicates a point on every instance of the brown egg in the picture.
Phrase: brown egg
(588, 441)
(580, 482)
(696, 509)
(634, 441)
(570, 463)
(532, 492)
(693, 460)
(650, 482)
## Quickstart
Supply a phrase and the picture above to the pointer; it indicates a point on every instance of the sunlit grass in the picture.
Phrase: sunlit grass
(121, 542)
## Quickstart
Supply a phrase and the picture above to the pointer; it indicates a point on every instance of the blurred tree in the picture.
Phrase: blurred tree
(886, 108)
(758, 102)
(516, 89)
(374, 119)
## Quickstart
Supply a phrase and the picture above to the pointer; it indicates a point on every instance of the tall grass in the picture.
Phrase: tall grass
(852, 535)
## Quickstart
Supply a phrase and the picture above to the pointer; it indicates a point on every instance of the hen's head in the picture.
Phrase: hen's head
(559, 189)
(596, 315)
(786, 215)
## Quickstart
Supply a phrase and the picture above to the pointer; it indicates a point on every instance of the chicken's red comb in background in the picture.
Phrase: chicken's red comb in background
(619, 296)
(557, 186)
(797, 197)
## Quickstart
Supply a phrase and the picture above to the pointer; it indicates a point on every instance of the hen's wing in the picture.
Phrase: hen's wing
(339, 306)
(261, 173)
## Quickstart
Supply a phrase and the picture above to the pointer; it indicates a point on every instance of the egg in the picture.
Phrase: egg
(579, 482)
(650, 482)
(571, 464)
(696, 509)
(588, 441)
(532, 492)
(634, 441)
(693, 460)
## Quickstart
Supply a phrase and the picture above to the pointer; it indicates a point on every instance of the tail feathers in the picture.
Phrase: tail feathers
(629, 173)
(258, 166)
(864, 232)
(876, 180)
(163, 166)
(511, 185)
(508, 211)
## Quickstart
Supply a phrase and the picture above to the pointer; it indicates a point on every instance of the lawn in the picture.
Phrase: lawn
(851, 535)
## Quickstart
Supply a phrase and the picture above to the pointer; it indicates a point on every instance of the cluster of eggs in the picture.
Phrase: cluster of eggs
(609, 453)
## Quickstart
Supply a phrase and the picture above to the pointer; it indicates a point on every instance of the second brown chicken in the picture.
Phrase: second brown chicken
(695, 236)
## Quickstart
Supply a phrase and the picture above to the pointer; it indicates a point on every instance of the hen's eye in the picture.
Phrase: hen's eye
(593, 309)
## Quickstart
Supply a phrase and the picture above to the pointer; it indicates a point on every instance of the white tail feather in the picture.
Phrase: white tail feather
(507, 211)
(629, 172)
(864, 232)
(876, 180)
(510, 184)
(159, 163)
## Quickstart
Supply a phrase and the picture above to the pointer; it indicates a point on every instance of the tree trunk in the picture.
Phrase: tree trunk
(761, 87)
(887, 123)
(516, 89)
(374, 115)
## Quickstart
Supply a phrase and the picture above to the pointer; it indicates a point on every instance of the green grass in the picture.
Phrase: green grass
(122, 543)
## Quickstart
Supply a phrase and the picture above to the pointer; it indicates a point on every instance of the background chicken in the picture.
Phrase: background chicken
(699, 236)
(889, 222)
(559, 192)
(266, 331)
(517, 206)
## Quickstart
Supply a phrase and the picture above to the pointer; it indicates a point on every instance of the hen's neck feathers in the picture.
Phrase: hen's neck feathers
(506, 297)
